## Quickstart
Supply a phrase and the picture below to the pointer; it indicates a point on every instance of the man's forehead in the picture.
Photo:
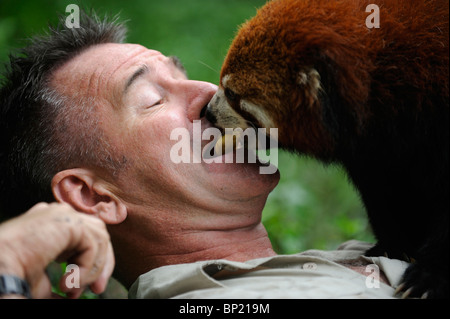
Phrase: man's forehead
(110, 54)
(101, 60)
(119, 51)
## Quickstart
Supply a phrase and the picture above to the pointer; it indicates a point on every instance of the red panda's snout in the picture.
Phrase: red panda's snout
(231, 109)
(222, 114)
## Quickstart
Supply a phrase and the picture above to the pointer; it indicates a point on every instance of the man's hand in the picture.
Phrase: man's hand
(49, 232)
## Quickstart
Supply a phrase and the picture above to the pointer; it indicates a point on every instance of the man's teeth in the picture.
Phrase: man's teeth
(225, 144)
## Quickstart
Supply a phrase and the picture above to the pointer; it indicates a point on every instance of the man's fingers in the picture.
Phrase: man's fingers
(102, 281)
(57, 230)
(92, 262)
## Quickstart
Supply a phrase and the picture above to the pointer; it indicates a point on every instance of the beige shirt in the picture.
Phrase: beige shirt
(311, 274)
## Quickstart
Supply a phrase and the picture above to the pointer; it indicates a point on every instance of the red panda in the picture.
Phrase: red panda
(374, 100)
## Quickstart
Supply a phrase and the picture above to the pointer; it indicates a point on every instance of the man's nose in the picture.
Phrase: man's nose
(200, 93)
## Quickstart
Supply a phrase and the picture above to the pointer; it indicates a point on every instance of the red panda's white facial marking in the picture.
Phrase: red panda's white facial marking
(233, 110)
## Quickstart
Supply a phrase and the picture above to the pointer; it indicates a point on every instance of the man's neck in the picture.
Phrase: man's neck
(137, 253)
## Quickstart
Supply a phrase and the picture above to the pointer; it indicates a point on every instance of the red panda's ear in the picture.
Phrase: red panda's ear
(309, 81)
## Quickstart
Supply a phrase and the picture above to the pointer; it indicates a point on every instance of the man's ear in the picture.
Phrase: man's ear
(88, 193)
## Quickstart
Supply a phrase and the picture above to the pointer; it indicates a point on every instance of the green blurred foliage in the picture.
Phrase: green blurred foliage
(197, 31)
(314, 206)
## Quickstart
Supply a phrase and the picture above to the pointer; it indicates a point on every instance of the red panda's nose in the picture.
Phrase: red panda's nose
(209, 115)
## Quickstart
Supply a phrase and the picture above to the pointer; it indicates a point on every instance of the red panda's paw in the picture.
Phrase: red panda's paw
(425, 280)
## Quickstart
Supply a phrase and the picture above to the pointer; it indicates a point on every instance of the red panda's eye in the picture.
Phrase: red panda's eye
(230, 95)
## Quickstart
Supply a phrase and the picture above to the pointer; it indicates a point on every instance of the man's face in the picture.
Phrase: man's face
(143, 96)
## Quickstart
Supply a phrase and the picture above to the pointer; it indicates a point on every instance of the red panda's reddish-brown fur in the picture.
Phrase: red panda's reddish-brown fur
(382, 110)
(410, 47)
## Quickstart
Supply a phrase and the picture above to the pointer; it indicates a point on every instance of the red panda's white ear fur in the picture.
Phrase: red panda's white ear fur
(309, 81)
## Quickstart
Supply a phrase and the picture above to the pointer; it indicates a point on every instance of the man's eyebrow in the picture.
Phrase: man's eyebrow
(143, 69)
(177, 62)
